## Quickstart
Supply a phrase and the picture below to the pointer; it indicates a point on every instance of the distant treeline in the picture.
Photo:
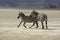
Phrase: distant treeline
(31, 3)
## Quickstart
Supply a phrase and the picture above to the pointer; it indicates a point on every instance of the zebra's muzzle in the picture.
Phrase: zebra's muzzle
(18, 17)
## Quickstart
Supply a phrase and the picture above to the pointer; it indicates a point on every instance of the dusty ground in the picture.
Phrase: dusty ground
(10, 31)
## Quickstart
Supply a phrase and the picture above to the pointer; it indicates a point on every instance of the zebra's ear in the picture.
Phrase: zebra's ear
(33, 10)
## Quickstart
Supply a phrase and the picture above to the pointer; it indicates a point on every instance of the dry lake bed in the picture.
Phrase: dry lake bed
(10, 31)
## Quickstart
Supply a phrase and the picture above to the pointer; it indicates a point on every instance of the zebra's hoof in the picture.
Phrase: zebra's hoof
(18, 26)
(46, 27)
(25, 27)
(42, 28)
(36, 27)
(29, 27)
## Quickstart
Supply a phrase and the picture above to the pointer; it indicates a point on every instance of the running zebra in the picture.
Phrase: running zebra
(27, 19)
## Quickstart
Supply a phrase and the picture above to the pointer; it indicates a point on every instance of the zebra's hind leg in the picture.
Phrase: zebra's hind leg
(46, 24)
(24, 25)
(33, 24)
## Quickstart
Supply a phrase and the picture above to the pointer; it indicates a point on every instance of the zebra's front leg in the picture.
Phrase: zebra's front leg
(20, 24)
(36, 24)
(24, 24)
(33, 24)
(42, 25)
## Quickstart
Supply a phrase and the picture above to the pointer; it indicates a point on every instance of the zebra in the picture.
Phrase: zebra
(40, 17)
(27, 19)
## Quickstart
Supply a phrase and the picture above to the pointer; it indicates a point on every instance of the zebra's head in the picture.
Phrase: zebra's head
(34, 13)
(20, 15)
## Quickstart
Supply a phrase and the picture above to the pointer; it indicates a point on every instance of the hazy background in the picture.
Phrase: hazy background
(30, 3)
